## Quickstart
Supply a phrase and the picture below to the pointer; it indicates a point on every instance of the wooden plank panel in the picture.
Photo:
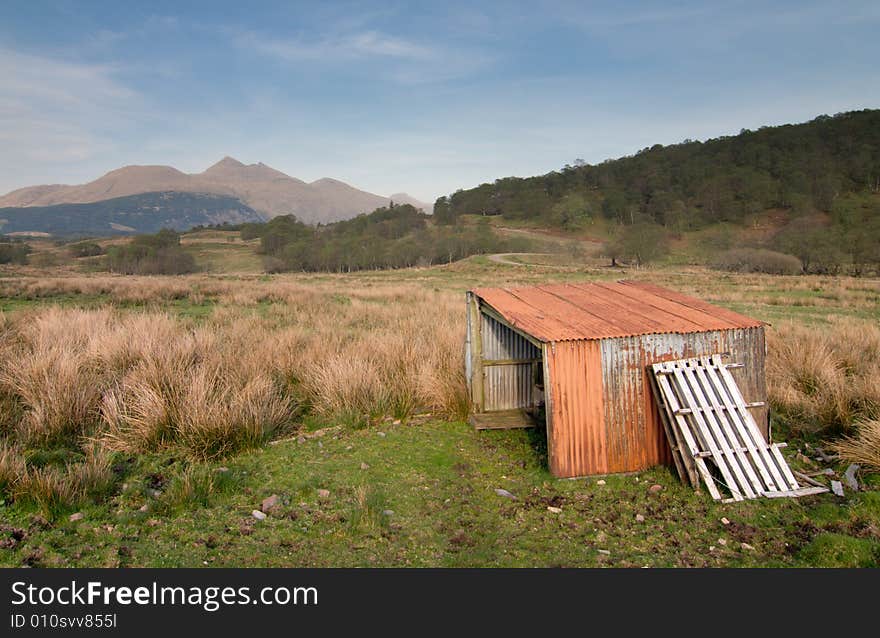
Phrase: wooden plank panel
(672, 402)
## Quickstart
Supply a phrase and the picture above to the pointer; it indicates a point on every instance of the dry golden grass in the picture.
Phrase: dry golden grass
(136, 381)
(824, 379)
(862, 448)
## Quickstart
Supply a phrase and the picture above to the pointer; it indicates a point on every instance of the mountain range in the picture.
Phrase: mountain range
(257, 188)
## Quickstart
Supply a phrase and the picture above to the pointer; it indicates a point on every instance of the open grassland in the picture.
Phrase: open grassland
(148, 404)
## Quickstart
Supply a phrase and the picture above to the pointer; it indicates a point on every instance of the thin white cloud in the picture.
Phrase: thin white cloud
(58, 112)
(365, 44)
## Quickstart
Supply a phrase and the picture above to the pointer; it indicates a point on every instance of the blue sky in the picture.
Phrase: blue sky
(421, 97)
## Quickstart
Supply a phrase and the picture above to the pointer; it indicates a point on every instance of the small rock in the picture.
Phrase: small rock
(640, 518)
(380, 434)
(320, 445)
(257, 514)
(722, 541)
(655, 488)
(300, 439)
(396, 422)
(154, 493)
(502, 492)
(604, 551)
(322, 494)
(154, 522)
(850, 476)
(364, 466)
(387, 512)
(270, 502)
(78, 516)
(222, 470)
(600, 482)
(711, 548)
(144, 508)
(555, 510)
(828, 471)
(725, 521)
(601, 537)
(746, 546)
(837, 488)
(124, 486)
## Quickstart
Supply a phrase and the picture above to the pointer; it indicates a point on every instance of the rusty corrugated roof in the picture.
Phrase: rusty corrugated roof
(597, 310)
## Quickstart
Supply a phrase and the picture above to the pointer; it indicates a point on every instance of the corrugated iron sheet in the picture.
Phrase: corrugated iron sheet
(601, 415)
(597, 310)
(575, 418)
(510, 385)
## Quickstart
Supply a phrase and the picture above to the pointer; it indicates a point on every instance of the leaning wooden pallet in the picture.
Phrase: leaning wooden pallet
(713, 435)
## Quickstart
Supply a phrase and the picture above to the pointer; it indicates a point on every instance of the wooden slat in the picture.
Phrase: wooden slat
(502, 420)
(709, 437)
(735, 440)
(772, 457)
(687, 435)
(727, 442)
(685, 470)
(705, 416)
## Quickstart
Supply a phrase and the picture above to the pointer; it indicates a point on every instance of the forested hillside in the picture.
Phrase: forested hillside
(821, 177)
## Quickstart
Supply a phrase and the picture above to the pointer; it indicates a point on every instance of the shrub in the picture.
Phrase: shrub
(757, 260)
(159, 254)
(14, 252)
(86, 249)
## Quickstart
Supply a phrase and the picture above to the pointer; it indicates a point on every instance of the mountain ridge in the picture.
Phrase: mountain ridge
(268, 191)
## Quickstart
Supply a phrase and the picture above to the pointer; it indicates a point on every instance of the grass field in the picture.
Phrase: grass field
(165, 410)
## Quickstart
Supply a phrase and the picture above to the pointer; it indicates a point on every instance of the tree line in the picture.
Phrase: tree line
(396, 236)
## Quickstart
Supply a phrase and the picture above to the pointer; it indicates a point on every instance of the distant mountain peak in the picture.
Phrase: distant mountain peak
(225, 164)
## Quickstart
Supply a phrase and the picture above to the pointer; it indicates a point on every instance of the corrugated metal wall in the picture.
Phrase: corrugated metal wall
(634, 434)
(601, 412)
(508, 386)
(575, 419)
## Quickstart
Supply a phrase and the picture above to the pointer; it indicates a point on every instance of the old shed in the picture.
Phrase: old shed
(578, 355)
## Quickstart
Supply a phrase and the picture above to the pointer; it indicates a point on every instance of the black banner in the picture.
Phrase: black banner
(242, 601)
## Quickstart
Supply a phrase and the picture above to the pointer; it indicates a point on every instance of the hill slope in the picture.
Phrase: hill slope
(802, 168)
(142, 213)
(260, 187)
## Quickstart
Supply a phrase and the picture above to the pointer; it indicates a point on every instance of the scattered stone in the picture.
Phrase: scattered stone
(270, 502)
(828, 471)
(655, 488)
(380, 434)
(154, 522)
(600, 482)
(257, 514)
(78, 516)
(222, 470)
(154, 493)
(300, 439)
(349, 447)
(827, 458)
(725, 520)
(555, 510)
(746, 546)
(321, 494)
(722, 541)
(640, 518)
(124, 486)
(837, 488)
(601, 537)
(364, 466)
(604, 551)
(396, 422)
(850, 476)
(144, 508)
(320, 445)
(711, 548)
(502, 492)
(387, 512)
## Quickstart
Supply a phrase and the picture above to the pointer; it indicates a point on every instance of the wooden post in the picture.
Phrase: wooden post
(476, 354)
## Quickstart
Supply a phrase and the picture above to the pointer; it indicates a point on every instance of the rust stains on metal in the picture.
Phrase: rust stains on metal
(575, 420)
(562, 312)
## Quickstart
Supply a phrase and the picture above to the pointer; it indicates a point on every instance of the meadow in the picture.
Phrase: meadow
(158, 412)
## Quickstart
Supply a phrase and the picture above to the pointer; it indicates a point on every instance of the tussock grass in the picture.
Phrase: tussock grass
(823, 380)
(863, 447)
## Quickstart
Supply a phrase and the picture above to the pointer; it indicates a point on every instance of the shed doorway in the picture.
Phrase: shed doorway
(506, 374)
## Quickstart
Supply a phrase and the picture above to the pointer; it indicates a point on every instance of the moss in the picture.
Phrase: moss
(838, 550)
